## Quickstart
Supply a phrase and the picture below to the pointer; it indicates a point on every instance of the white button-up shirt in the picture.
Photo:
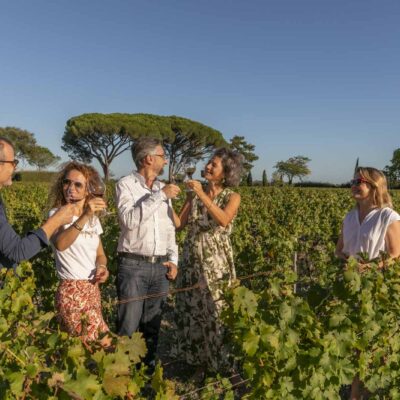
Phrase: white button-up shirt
(145, 218)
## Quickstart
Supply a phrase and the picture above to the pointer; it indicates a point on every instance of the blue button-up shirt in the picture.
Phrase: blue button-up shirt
(13, 248)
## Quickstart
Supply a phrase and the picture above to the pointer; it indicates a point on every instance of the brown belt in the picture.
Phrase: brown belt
(139, 257)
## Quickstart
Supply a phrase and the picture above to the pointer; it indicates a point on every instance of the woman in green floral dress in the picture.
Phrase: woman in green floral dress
(208, 260)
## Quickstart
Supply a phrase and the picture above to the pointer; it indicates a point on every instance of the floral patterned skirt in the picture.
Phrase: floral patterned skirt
(78, 304)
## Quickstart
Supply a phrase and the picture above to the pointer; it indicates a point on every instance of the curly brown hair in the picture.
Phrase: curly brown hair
(56, 194)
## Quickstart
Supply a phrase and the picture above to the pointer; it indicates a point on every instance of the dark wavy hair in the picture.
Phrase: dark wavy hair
(232, 163)
(56, 194)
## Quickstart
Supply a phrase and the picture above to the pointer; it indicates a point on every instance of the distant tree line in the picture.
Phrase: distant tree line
(103, 137)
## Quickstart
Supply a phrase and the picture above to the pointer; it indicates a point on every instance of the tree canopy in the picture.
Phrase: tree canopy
(392, 171)
(293, 167)
(42, 157)
(249, 179)
(264, 178)
(239, 144)
(106, 136)
(27, 149)
(189, 141)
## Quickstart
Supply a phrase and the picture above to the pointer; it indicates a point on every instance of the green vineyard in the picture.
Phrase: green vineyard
(301, 323)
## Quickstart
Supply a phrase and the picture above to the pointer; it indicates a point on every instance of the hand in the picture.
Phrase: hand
(171, 190)
(95, 204)
(196, 186)
(64, 214)
(172, 270)
(102, 274)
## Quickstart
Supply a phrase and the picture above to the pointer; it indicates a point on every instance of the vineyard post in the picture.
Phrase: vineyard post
(295, 270)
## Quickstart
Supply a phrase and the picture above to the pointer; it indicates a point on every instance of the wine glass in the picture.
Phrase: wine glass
(176, 179)
(97, 188)
(190, 169)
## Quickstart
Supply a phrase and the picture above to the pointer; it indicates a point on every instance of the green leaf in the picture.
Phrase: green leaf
(116, 386)
(3, 325)
(20, 300)
(245, 300)
(52, 340)
(250, 343)
(16, 381)
(117, 363)
(135, 347)
(85, 384)
(76, 351)
(286, 312)
(32, 370)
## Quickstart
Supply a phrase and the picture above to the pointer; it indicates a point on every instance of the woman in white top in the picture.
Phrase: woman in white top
(370, 228)
(80, 260)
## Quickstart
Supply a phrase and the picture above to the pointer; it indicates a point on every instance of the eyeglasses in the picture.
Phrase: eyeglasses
(77, 184)
(161, 155)
(357, 182)
(13, 162)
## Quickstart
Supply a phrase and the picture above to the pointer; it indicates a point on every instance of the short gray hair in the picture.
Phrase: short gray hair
(2, 141)
(143, 147)
(232, 163)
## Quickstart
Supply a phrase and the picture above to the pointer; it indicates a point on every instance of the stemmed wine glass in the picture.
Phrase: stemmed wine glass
(176, 179)
(97, 188)
(190, 169)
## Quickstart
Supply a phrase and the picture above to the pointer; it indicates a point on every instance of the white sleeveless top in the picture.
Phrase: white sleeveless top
(369, 236)
(78, 261)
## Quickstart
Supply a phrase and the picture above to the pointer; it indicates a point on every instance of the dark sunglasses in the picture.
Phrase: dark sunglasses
(68, 182)
(13, 162)
(357, 182)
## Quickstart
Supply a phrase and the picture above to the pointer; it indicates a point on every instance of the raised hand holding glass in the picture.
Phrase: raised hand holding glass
(190, 169)
(97, 188)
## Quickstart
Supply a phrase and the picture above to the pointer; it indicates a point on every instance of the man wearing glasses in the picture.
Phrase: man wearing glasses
(148, 254)
(13, 248)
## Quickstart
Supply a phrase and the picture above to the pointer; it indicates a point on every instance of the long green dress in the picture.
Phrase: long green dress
(207, 258)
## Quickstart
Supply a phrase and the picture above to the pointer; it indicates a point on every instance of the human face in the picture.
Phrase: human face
(360, 188)
(214, 170)
(7, 168)
(74, 187)
(159, 160)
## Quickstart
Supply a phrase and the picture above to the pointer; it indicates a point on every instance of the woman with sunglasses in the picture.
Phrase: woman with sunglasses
(371, 227)
(80, 260)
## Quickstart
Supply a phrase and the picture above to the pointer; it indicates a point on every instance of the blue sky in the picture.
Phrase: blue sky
(295, 77)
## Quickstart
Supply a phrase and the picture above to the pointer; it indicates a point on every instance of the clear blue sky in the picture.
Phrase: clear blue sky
(295, 77)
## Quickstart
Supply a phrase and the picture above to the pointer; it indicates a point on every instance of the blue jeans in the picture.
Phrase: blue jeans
(136, 279)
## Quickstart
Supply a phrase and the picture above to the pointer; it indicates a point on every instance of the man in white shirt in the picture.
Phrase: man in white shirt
(148, 254)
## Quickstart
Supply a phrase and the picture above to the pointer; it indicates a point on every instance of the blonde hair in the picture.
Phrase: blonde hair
(378, 183)
(56, 194)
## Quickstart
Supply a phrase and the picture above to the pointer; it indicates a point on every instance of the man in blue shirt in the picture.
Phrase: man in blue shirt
(13, 248)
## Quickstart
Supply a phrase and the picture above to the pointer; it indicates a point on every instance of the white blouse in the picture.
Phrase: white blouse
(78, 261)
(369, 236)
